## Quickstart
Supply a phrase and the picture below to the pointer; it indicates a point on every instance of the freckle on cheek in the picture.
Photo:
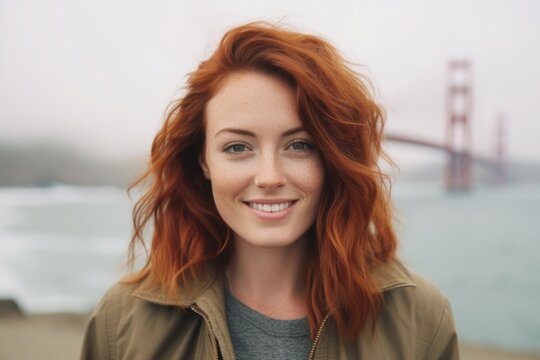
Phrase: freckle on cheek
(310, 174)
(226, 182)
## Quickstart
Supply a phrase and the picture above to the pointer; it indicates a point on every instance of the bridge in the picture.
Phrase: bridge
(459, 174)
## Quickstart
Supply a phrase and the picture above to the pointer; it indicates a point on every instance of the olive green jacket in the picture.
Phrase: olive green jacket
(142, 322)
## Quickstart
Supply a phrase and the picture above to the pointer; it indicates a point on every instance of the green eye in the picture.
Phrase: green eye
(235, 148)
(300, 145)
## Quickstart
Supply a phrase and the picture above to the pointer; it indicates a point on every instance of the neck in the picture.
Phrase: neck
(269, 280)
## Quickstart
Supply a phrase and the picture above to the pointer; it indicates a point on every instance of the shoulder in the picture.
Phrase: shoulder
(420, 309)
(427, 296)
(116, 297)
(121, 321)
(117, 301)
(99, 337)
(399, 284)
(135, 303)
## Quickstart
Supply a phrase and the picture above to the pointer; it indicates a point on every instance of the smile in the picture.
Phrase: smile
(270, 208)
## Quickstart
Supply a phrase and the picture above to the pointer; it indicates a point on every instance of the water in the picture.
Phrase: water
(62, 247)
(483, 250)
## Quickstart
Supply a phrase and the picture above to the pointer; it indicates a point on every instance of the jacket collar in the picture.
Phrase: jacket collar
(207, 290)
(150, 290)
(206, 296)
(392, 275)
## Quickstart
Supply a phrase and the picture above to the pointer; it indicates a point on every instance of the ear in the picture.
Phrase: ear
(204, 167)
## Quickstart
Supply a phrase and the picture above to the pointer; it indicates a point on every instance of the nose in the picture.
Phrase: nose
(269, 173)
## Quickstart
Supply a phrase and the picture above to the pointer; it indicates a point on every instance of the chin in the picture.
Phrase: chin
(269, 242)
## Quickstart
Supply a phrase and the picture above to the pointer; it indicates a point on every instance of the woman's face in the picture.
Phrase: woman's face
(266, 176)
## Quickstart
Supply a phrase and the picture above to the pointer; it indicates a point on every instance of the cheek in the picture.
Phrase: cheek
(227, 181)
(309, 176)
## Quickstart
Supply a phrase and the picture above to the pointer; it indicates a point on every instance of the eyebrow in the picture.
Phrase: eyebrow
(252, 134)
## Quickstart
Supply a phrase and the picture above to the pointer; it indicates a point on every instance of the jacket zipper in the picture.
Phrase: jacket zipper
(213, 337)
(316, 341)
(214, 345)
(317, 337)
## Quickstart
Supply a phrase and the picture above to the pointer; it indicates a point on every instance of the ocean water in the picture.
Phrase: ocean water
(61, 247)
(483, 250)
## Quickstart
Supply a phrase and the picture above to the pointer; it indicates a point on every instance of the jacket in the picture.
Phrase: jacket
(142, 322)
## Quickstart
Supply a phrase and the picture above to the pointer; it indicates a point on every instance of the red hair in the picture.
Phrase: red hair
(353, 229)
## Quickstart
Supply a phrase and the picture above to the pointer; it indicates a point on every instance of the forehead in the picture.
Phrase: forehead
(252, 100)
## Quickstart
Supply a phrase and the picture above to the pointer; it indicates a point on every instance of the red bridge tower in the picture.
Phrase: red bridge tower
(501, 148)
(459, 109)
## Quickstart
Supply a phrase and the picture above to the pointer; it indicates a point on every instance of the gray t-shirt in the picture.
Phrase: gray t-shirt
(256, 336)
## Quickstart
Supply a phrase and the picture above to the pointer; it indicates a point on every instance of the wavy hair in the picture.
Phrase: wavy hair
(353, 229)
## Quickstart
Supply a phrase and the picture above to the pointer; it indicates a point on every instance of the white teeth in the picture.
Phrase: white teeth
(271, 207)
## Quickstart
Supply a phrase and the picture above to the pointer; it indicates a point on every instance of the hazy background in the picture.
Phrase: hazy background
(98, 75)
(84, 86)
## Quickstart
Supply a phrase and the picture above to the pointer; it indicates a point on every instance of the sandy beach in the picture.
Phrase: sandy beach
(58, 336)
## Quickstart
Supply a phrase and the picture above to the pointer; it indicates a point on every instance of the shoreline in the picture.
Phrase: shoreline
(59, 336)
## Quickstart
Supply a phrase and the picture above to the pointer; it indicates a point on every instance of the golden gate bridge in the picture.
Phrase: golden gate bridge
(458, 145)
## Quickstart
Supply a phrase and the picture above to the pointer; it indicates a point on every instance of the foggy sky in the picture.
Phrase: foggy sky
(98, 75)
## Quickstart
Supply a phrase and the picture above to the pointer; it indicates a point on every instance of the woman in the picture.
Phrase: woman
(271, 221)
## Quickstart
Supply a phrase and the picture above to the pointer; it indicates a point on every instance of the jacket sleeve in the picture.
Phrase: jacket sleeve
(97, 342)
(444, 344)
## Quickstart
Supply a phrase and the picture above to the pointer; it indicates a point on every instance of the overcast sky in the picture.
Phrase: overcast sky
(99, 74)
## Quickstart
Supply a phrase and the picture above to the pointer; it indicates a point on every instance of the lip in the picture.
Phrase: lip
(278, 215)
(269, 201)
